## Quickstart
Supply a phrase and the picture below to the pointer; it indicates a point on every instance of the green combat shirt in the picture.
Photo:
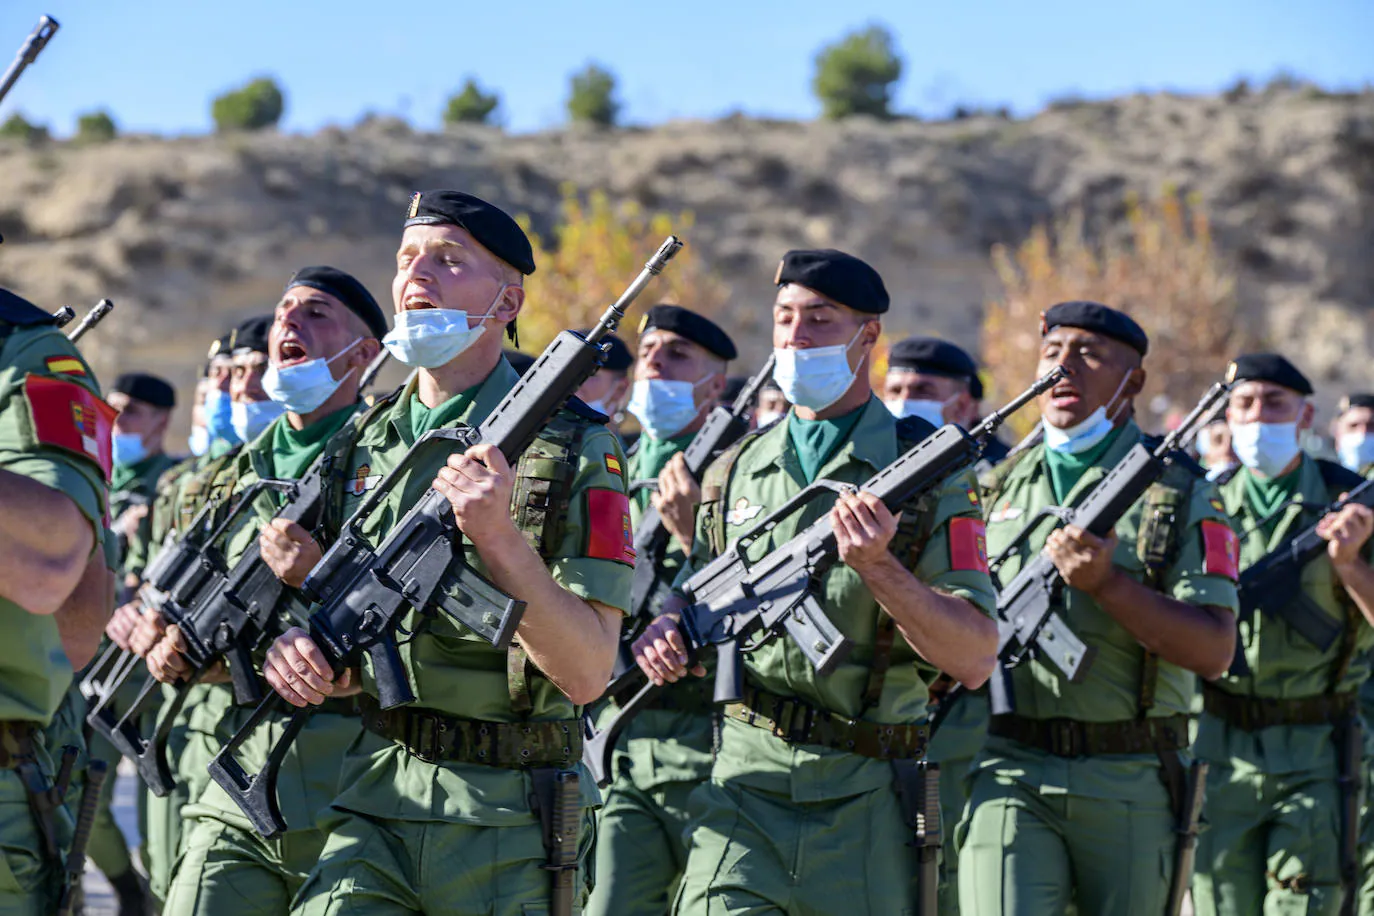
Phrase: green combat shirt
(54, 429)
(766, 473)
(451, 669)
(1110, 691)
(133, 485)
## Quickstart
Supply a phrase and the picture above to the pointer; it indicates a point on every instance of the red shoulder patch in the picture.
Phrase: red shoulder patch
(1221, 550)
(968, 545)
(609, 535)
(68, 416)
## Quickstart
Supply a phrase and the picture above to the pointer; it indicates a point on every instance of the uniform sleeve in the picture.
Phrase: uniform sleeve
(229, 484)
(1208, 556)
(595, 557)
(955, 557)
(54, 428)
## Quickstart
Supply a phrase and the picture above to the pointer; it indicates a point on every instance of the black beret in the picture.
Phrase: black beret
(696, 328)
(1356, 400)
(346, 288)
(618, 357)
(519, 361)
(837, 276)
(251, 335)
(1098, 318)
(1269, 367)
(932, 356)
(488, 224)
(146, 388)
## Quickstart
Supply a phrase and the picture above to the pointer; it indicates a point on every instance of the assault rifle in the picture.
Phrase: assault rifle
(370, 373)
(1026, 604)
(28, 53)
(364, 590)
(723, 426)
(93, 318)
(733, 600)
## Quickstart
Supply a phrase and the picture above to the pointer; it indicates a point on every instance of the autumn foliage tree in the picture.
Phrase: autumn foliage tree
(1163, 271)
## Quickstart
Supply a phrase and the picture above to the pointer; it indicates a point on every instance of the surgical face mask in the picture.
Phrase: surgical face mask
(600, 406)
(429, 338)
(305, 386)
(764, 418)
(128, 449)
(933, 412)
(1265, 447)
(252, 417)
(814, 378)
(1356, 450)
(1080, 437)
(199, 441)
(219, 416)
(664, 408)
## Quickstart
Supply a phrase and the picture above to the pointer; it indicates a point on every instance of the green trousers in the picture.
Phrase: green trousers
(1273, 809)
(29, 882)
(1042, 833)
(954, 746)
(640, 848)
(1366, 907)
(229, 869)
(190, 746)
(757, 853)
(108, 849)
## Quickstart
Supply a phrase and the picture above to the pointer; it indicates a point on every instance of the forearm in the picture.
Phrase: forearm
(1199, 638)
(45, 542)
(1357, 577)
(573, 642)
(82, 617)
(948, 632)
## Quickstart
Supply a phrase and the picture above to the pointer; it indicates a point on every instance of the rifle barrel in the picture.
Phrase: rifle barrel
(93, 318)
(652, 268)
(28, 53)
(1000, 416)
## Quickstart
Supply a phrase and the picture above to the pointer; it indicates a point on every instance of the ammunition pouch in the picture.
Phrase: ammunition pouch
(798, 722)
(434, 737)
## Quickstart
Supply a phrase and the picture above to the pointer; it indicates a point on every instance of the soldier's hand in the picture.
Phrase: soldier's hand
(296, 669)
(677, 499)
(288, 550)
(478, 484)
(864, 528)
(128, 520)
(165, 659)
(661, 652)
(1082, 558)
(123, 622)
(150, 628)
(1345, 533)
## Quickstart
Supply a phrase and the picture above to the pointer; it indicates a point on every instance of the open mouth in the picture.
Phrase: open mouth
(416, 301)
(291, 352)
(1064, 396)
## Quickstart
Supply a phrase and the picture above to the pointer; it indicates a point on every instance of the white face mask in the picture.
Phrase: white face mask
(664, 408)
(815, 378)
(1265, 447)
(1356, 450)
(305, 386)
(250, 418)
(763, 418)
(1080, 437)
(429, 338)
(198, 443)
(933, 412)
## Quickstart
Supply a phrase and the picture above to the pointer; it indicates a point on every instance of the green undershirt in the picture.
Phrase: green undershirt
(816, 440)
(294, 449)
(1066, 468)
(1264, 495)
(423, 419)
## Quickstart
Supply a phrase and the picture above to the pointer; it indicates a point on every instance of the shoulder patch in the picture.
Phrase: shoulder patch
(609, 536)
(65, 365)
(968, 545)
(69, 416)
(1216, 503)
(1221, 550)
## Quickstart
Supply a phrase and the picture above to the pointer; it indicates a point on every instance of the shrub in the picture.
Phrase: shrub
(471, 106)
(95, 127)
(855, 75)
(592, 98)
(17, 127)
(257, 105)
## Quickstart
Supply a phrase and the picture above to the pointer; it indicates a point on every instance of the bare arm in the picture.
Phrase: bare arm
(1346, 533)
(45, 544)
(82, 617)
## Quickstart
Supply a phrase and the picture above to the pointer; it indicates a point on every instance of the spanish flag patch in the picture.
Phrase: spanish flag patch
(66, 365)
(613, 465)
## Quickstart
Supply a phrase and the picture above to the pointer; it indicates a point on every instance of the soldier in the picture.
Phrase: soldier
(772, 405)
(1352, 431)
(1075, 796)
(679, 376)
(1275, 732)
(452, 823)
(605, 391)
(1214, 451)
(56, 585)
(802, 813)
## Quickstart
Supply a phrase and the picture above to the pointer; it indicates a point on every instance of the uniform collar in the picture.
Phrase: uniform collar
(394, 425)
(1033, 465)
(872, 441)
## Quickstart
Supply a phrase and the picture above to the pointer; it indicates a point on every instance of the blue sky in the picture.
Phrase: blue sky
(155, 64)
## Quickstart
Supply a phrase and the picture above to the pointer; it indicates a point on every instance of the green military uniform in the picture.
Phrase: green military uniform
(458, 835)
(1272, 796)
(53, 429)
(1048, 824)
(134, 485)
(666, 753)
(802, 824)
(225, 866)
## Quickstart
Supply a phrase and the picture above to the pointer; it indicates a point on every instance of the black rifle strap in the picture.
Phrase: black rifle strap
(338, 457)
(715, 489)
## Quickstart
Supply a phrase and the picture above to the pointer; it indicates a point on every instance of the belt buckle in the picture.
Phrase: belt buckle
(422, 736)
(1064, 738)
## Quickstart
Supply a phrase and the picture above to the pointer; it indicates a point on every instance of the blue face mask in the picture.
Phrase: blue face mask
(1265, 447)
(1076, 439)
(252, 417)
(430, 338)
(814, 378)
(219, 416)
(198, 443)
(1356, 450)
(664, 408)
(128, 448)
(933, 412)
(305, 386)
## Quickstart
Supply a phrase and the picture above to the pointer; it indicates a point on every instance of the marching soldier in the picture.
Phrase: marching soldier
(452, 822)
(1075, 797)
(1280, 727)
(641, 849)
(1353, 431)
(605, 391)
(804, 809)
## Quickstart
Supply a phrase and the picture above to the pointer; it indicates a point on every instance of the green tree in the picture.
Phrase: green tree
(95, 127)
(855, 75)
(255, 106)
(592, 100)
(471, 106)
(17, 127)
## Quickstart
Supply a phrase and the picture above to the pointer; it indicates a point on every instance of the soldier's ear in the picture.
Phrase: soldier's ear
(1136, 383)
(1306, 415)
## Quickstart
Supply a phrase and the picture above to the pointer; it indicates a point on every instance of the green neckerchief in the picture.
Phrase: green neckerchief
(124, 475)
(1065, 468)
(423, 419)
(294, 449)
(652, 455)
(1264, 495)
(816, 440)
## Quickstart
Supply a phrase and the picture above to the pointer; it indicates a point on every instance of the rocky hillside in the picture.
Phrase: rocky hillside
(187, 235)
